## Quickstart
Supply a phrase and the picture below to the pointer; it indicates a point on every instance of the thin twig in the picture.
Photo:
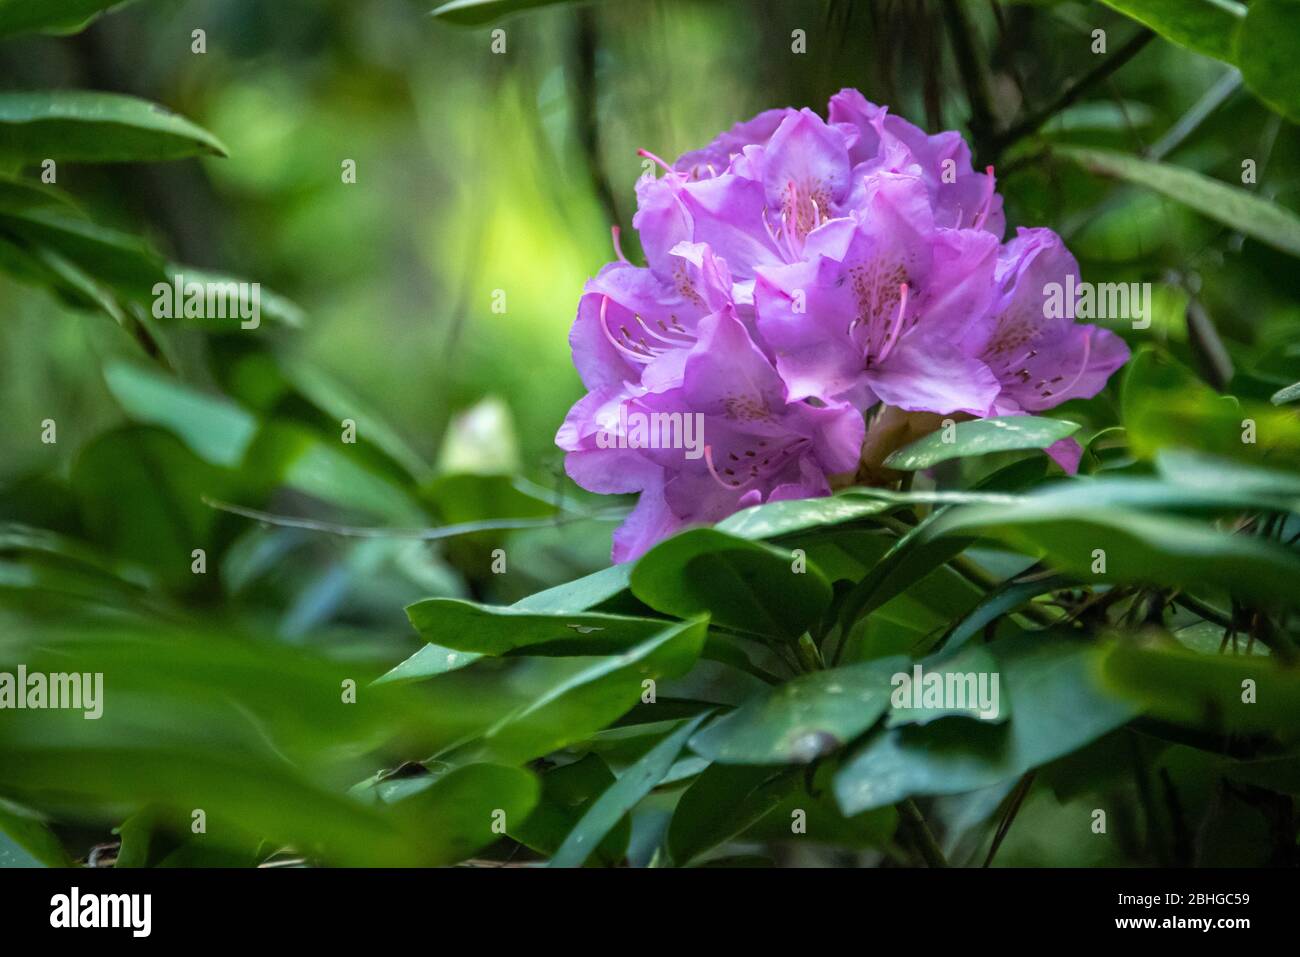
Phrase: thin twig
(922, 839)
(421, 534)
(1072, 92)
(1013, 808)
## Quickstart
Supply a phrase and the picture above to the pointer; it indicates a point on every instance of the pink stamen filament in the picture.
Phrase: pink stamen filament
(633, 353)
(616, 233)
(651, 156)
(896, 329)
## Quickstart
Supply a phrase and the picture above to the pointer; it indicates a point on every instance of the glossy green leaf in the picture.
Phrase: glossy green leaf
(773, 519)
(1232, 206)
(90, 127)
(429, 662)
(633, 784)
(1138, 548)
(804, 719)
(949, 684)
(742, 585)
(569, 792)
(475, 13)
(1003, 600)
(489, 630)
(1059, 706)
(1266, 54)
(1206, 26)
(53, 16)
(981, 437)
(581, 594)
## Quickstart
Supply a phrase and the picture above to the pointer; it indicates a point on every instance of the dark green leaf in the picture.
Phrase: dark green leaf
(1266, 54)
(89, 127)
(635, 783)
(803, 720)
(981, 437)
(1206, 26)
(53, 16)
(742, 585)
(1059, 708)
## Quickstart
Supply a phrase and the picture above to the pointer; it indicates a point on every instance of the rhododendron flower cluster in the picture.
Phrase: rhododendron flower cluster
(802, 276)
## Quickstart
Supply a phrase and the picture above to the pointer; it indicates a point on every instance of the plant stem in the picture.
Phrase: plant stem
(919, 831)
(1071, 93)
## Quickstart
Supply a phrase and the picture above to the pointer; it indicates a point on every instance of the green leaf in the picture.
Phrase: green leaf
(271, 306)
(581, 594)
(118, 259)
(1059, 707)
(1233, 207)
(26, 841)
(41, 266)
(588, 694)
(1206, 690)
(805, 719)
(89, 127)
(52, 16)
(19, 196)
(743, 585)
(954, 671)
(251, 731)
(457, 815)
(981, 437)
(569, 792)
(1206, 26)
(635, 783)
(475, 13)
(1164, 405)
(1140, 548)
(339, 402)
(216, 430)
(429, 662)
(1284, 396)
(1003, 600)
(286, 453)
(490, 630)
(725, 801)
(773, 519)
(1227, 478)
(140, 492)
(1266, 54)
(909, 560)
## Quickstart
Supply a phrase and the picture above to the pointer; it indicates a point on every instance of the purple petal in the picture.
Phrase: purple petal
(922, 375)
